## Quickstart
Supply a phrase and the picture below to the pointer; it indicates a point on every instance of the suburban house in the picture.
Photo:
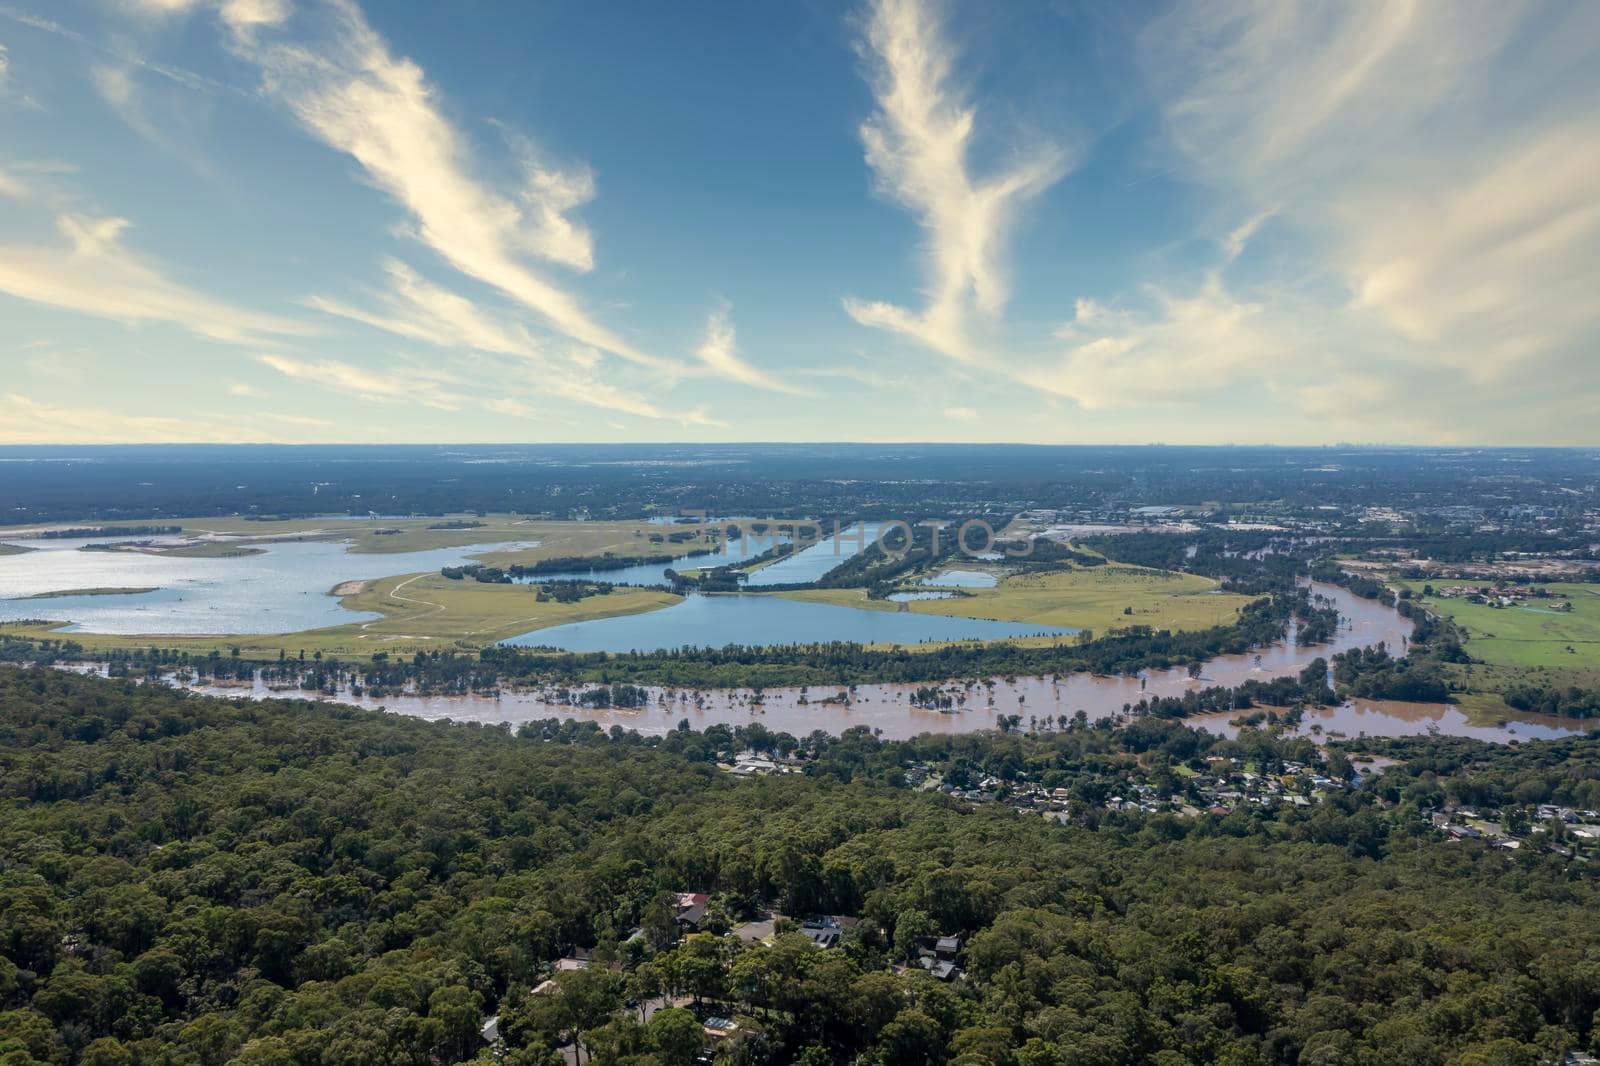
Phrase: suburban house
(691, 911)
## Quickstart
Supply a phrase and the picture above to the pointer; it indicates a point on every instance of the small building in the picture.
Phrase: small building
(826, 930)
(947, 947)
(691, 910)
(719, 1028)
(941, 969)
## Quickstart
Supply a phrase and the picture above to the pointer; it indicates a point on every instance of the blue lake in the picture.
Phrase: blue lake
(731, 551)
(808, 563)
(282, 590)
(962, 579)
(763, 621)
(813, 562)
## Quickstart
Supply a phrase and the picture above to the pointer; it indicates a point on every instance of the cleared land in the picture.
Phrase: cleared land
(1531, 635)
(1527, 645)
(1097, 598)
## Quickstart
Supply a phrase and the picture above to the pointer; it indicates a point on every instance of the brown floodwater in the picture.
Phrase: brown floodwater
(887, 709)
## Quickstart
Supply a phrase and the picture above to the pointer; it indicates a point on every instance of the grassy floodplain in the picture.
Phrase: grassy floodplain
(1097, 598)
(1524, 645)
(229, 537)
(1531, 635)
(420, 611)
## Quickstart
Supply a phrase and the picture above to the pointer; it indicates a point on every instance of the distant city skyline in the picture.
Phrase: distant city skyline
(902, 220)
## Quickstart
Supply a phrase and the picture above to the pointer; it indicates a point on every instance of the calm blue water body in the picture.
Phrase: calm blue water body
(764, 621)
(813, 562)
(731, 551)
(282, 590)
(962, 579)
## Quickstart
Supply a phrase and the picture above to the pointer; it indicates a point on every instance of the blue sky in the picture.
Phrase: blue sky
(318, 220)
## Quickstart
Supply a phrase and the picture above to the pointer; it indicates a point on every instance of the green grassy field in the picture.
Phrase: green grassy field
(1097, 598)
(1529, 636)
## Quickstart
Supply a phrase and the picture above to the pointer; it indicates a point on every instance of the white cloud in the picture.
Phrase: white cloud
(238, 14)
(95, 274)
(389, 385)
(306, 421)
(242, 15)
(1436, 167)
(117, 86)
(1187, 349)
(962, 414)
(239, 388)
(351, 93)
(418, 309)
(719, 353)
(24, 420)
(918, 145)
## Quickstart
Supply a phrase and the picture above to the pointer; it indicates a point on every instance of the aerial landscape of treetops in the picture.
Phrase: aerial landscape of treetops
(191, 880)
(864, 533)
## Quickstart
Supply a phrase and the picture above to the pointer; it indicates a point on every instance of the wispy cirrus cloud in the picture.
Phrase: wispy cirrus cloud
(919, 146)
(1437, 187)
(417, 309)
(719, 353)
(429, 388)
(348, 90)
(413, 307)
(27, 420)
(93, 272)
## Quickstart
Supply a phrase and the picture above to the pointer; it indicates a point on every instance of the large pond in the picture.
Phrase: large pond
(740, 550)
(962, 579)
(811, 563)
(759, 621)
(283, 589)
(810, 559)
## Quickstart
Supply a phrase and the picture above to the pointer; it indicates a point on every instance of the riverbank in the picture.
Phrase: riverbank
(892, 709)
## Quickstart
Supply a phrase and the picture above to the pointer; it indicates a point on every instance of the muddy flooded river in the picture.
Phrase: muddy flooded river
(888, 708)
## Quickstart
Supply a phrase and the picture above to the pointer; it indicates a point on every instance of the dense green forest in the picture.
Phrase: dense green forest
(196, 881)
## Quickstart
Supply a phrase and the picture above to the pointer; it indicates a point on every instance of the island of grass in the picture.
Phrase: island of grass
(58, 594)
(206, 550)
(388, 536)
(14, 549)
(1099, 599)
